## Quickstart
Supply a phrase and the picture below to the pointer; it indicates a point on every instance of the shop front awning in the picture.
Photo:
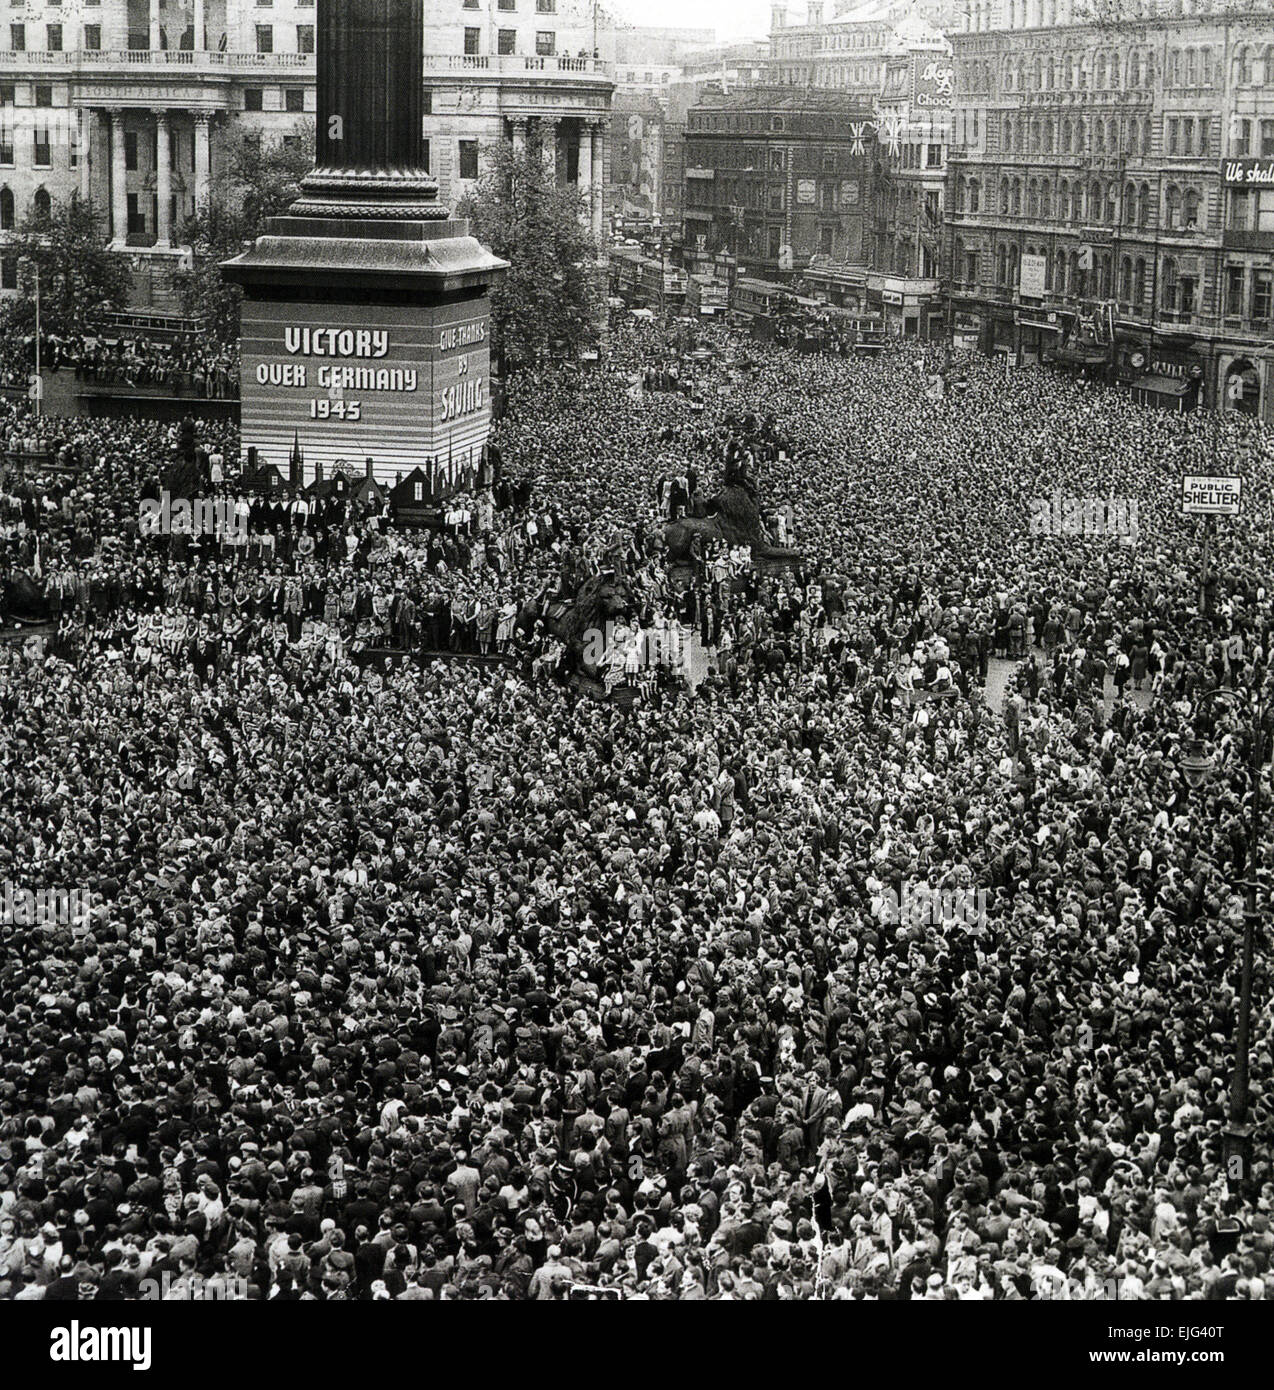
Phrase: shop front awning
(1161, 385)
(1079, 356)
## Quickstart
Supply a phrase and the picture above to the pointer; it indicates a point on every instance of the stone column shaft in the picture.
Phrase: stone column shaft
(119, 181)
(203, 160)
(163, 181)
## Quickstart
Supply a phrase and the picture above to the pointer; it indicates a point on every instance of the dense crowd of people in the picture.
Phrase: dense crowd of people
(186, 364)
(450, 981)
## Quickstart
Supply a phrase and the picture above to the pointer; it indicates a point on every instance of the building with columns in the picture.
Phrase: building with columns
(1103, 174)
(537, 72)
(124, 102)
(132, 102)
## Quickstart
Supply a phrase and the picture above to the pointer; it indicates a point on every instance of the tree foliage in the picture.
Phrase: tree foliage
(261, 181)
(79, 275)
(549, 295)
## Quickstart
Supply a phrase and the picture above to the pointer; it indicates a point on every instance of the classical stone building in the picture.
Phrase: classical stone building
(1108, 203)
(537, 72)
(132, 102)
(843, 46)
(125, 101)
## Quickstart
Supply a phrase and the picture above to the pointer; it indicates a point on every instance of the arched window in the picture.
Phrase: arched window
(1243, 66)
(42, 204)
(1145, 135)
(1015, 258)
(975, 195)
(1143, 205)
(7, 215)
(1130, 204)
(1036, 142)
(1173, 206)
(1001, 265)
(959, 258)
(1064, 200)
(1190, 208)
(1125, 280)
(1005, 204)
(1139, 283)
(1033, 198)
(1046, 200)
(1205, 67)
(1114, 70)
(1094, 201)
(1008, 133)
(1037, 75)
(1112, 204)
(1191, 68)
(1099, 137)
(1066, 135)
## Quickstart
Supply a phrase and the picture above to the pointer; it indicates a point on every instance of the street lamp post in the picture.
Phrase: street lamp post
(39, 379)
(1196, 766)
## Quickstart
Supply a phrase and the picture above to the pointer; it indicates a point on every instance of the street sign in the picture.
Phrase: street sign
(1204, 496)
